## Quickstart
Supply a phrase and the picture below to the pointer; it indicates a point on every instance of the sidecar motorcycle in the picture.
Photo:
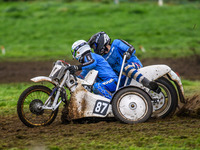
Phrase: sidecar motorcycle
(38, 105)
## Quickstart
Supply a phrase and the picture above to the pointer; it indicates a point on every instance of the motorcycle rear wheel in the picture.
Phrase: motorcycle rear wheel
(167, 101)
(132, 105)
(28, 110)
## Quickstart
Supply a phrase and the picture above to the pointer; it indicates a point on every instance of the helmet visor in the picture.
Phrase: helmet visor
(73, 53)
(94, 46)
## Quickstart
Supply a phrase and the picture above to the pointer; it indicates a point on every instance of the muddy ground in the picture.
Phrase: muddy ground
(164, 133)
(175, 132)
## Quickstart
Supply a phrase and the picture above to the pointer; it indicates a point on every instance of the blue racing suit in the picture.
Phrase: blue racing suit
(115, 59)
(106, 79)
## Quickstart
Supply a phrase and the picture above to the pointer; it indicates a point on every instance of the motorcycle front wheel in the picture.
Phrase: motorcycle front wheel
(132, 105)
(164, 103)
(29, 107)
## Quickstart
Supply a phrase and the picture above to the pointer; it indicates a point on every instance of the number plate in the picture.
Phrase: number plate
(101, 107)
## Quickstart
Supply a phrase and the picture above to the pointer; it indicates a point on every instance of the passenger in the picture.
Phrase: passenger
(114, 52)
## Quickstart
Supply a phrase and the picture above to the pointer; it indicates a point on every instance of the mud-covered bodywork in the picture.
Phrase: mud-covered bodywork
(85, 104)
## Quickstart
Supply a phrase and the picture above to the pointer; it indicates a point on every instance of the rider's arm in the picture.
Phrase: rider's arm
(89, 63)
(125, 47)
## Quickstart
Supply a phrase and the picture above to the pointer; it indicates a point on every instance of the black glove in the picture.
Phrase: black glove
(128, 55)
(73, 69)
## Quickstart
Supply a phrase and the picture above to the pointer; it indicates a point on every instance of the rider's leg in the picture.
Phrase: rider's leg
(130, 70)
(105, 88)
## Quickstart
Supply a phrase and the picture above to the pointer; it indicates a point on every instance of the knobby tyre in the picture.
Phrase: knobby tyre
(167, 102)
(28, 111)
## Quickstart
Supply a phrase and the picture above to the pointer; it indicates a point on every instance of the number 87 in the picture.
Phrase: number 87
(99, 107)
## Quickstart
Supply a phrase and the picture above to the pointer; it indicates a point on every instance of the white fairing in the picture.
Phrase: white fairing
(55, 69)
(152, 73)
(90, 77)
(89, 80)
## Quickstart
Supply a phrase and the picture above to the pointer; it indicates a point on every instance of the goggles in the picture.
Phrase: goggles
(94, 46)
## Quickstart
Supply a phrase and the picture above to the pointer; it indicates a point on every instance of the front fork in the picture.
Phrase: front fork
(59, 92)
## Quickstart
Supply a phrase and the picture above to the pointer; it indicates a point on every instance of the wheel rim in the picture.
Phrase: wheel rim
(31, 108)
(132, 106)
(162, 101)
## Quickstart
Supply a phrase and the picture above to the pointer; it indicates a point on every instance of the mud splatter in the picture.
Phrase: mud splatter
(76, 104)
(191, 108)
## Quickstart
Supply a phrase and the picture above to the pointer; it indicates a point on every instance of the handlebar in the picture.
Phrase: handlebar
(73, 74)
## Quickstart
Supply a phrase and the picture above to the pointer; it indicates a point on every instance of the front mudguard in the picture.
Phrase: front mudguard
(44, 79)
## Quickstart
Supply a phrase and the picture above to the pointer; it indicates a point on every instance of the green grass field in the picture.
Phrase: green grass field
(46, 30)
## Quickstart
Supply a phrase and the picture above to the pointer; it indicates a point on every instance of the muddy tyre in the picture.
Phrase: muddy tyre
(29, 110)
(165, 103)
(132, 105)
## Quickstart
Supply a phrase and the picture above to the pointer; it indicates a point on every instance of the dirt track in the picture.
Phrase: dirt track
(73, 136)
(188, 68)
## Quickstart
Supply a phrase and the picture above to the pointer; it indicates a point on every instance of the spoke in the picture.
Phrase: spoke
(33, 118)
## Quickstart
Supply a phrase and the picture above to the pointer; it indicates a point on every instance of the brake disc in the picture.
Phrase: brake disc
(158, 100)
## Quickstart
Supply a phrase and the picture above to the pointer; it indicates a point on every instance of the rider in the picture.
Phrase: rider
(114, 52)
(106, 80)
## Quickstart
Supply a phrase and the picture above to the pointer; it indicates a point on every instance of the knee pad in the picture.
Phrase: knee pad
(98, 88)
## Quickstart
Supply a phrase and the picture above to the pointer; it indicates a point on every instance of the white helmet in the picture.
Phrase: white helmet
(79, 48)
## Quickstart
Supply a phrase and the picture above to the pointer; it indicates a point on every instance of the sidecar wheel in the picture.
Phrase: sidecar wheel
(132, 105)
(164, 103)
(28, 107)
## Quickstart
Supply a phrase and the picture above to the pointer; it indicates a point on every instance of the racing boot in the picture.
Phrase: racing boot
(151, 85)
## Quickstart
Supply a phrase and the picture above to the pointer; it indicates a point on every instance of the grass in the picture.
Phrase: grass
(191, 87)
(46, 30)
